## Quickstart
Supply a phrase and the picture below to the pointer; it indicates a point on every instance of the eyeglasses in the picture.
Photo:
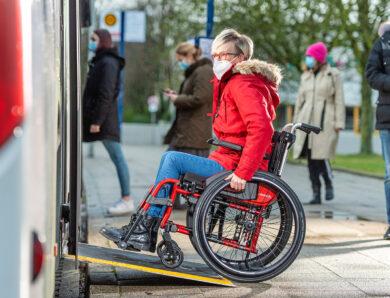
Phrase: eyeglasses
(219, 56)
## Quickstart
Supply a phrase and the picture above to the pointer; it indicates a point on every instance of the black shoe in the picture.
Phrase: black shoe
(316, 197)
(114, 234)
(117, 234)
(144, 236)
(386, 236)
(329, 193)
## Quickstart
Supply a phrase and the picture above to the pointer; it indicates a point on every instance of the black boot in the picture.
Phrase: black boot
(116, 234)
(386, 236)
(144, 236)
(141, 237)
(316, 196)
(329, 193)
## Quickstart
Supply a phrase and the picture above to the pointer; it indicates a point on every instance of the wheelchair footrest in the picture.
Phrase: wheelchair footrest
(159, 201)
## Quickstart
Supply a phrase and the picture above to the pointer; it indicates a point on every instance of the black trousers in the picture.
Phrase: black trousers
(317, 168)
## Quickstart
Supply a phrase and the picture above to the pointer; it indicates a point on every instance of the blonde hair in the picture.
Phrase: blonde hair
(383, 28)
(186, 48)
(242, 43)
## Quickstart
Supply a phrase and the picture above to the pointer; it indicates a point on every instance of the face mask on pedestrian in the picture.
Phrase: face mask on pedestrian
(183, 65)
(92, 46)
(220, 67)
(310, 62)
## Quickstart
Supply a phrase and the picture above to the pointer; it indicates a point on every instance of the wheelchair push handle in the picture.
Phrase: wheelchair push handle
(225, 144)
(309, 128)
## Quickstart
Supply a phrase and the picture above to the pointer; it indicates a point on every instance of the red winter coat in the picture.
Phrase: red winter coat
(245, 100)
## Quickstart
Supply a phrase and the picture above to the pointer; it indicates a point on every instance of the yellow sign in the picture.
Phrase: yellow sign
(110, 19)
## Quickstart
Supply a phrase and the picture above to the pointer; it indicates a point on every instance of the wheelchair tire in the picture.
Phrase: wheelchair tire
(280, 251)
(190, 225)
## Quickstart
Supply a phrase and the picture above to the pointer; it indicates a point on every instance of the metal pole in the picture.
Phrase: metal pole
(210, 18)
(122, 75)
(75, 126)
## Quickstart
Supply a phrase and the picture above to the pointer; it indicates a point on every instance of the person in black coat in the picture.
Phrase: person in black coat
(100, 112)
(378, 76)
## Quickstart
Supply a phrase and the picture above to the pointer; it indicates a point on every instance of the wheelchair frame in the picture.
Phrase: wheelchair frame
(281, 142)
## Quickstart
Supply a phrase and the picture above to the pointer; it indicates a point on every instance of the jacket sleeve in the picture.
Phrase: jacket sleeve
(375, 74)
(339, 101)
(299, 102)
(105, 89)
(203, 91)
(252, 104)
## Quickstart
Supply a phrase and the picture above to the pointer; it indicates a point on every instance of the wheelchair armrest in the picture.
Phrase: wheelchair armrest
(225, 144)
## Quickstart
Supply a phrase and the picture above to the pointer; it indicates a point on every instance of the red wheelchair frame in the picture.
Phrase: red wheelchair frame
(262, 193)
(257, 207)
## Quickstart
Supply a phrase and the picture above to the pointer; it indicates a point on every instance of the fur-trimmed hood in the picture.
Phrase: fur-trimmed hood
(270, 71)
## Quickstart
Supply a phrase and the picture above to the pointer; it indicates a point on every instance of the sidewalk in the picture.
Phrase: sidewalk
(343, 254)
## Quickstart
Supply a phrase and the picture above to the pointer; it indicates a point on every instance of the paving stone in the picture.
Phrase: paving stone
(373, 287)
(343, 255)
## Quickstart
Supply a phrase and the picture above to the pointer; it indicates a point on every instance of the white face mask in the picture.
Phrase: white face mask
(220, 67)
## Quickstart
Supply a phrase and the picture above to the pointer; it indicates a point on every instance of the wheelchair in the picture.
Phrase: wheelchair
(247, 236)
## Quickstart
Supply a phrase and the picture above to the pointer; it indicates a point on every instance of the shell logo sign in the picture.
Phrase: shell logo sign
(134, 24)
(110, 19)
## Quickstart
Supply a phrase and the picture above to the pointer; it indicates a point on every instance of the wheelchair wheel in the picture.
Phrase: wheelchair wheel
(249, 240)
(190, 224)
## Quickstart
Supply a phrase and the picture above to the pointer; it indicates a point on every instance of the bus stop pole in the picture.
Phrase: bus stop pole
(122, 75)
(75, 127)
(210, 18)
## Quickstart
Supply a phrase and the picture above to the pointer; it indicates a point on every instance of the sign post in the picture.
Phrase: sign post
(153, 106)
(111, 21)
(122, 75)
(210, 18)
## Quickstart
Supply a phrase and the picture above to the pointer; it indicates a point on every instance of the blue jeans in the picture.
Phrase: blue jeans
(385, 138)
(172, 165)
(115, 151)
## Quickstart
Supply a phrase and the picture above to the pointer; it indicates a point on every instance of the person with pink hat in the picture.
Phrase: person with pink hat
(320, 102)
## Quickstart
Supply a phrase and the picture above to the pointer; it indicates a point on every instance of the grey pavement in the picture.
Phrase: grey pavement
(343, 254)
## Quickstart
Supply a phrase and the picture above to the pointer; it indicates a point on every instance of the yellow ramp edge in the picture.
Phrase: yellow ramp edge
(220, 281)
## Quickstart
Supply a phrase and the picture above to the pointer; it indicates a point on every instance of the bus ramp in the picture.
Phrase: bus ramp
(146, 263)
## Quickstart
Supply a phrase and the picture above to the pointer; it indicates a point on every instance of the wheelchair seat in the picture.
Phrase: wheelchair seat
(197, 183)
(279, 145)
(202, 181)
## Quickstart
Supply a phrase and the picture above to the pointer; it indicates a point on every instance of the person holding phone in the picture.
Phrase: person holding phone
(191, 127)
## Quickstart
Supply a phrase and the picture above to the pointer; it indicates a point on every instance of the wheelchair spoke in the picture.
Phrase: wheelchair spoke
(250, 234)
(232, 241)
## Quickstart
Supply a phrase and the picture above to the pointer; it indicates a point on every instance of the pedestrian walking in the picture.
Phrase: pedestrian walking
(320, 103)
(191, 127)
(378, 76)
(100, 112)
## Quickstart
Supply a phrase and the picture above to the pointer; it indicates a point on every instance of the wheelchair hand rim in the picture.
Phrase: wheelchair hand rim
(285, 261)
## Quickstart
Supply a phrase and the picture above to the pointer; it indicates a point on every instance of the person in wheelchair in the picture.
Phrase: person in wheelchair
(244, 104)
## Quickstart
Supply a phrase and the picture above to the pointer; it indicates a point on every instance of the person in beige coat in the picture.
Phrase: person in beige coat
(320, 102)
